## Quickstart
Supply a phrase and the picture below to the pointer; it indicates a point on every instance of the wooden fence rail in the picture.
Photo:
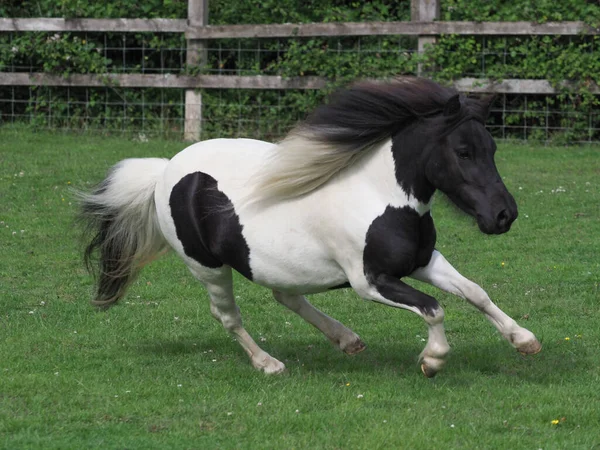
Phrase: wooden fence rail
(476, 85)
(96, 25)
(288, 30)
(197, 31)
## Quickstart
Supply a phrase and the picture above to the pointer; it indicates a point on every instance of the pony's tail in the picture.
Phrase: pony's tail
(120, 214)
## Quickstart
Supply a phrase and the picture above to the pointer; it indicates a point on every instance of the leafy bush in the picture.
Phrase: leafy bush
(572, 115)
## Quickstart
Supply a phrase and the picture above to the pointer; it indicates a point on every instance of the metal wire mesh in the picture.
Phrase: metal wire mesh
(102, 52)
(104, 110)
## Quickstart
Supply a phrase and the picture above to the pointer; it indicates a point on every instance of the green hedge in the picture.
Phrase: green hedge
(573, 115)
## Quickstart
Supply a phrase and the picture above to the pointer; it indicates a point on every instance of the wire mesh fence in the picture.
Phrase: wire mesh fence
(106, 110)
(93, 52)
(268, 114)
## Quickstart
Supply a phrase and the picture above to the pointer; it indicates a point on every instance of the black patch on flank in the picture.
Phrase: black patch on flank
(398, 242)
(207, 225)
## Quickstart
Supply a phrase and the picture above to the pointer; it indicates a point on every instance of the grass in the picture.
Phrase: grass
(157, 371)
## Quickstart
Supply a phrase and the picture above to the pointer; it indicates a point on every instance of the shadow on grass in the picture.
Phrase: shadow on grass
(182, 346)
(465, 364)
(551, 366)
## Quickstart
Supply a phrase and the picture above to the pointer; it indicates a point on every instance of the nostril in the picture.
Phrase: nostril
(502, 218)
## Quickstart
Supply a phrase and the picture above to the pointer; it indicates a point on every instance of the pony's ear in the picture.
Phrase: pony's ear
(452, 106)
(487, 103)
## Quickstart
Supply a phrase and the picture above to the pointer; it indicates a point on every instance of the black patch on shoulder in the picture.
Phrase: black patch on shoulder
(398, 242)
(207, 225)
(427, 238)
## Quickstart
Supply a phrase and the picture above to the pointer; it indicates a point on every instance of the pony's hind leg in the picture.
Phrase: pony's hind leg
(219, 284)
(339, 335)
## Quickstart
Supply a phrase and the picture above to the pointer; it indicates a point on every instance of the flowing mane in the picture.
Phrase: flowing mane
(336, 134)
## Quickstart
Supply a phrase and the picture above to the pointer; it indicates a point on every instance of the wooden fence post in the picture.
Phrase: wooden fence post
(196, 55)
(424, 11)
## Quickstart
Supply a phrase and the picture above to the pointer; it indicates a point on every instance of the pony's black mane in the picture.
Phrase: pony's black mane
(355, 120)
(363, 114)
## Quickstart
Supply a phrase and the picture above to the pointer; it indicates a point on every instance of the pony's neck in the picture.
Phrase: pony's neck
(379, 171)
(409, 162)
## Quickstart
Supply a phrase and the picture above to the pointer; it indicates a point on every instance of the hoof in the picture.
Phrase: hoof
(431, 366)
(354, 348)
(269, 365)
(428, 371)
(525, 342)
(530, 348)
(275, 369)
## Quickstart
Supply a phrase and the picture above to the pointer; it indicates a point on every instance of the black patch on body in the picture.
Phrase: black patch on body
(207, 225)
(398, 242)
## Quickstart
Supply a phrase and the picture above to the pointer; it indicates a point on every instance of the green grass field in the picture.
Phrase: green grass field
(157, 371)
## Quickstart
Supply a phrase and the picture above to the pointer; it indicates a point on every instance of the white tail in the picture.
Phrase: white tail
(121, 214)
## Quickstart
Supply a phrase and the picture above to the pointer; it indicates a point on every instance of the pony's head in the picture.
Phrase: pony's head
(439, 141)
(460, 163)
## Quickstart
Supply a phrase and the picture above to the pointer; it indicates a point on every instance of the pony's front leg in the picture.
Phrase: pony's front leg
(389, 290)
(440, 273)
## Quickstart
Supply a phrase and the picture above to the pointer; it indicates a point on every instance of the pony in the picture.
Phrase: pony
(344, 200)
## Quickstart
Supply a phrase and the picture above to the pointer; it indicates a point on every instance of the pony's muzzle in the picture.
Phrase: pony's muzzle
(504, 220)
(498, 223)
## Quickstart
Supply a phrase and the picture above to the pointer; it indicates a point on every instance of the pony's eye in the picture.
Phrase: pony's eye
(463, 153)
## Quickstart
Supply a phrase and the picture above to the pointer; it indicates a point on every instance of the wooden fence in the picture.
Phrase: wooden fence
(423, 24)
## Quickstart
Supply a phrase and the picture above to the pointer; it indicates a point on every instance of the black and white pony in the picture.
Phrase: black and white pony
(343, 201)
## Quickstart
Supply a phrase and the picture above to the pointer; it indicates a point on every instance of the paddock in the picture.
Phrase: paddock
(158, 371)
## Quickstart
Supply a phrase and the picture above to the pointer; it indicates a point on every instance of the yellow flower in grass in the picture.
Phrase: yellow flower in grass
(567, 338)
(555, 422)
